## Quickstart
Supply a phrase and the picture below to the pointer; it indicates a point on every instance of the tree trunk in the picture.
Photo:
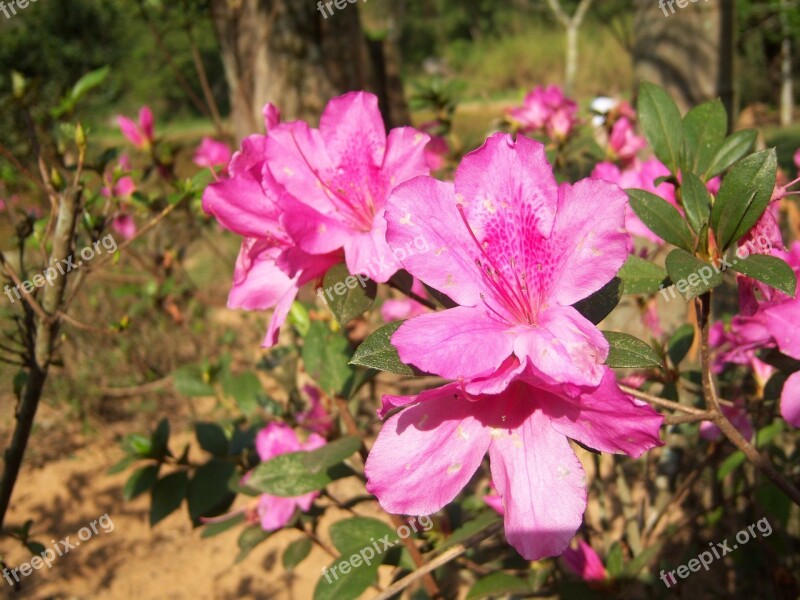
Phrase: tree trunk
(787, 83)
(287, 53)
(688, 51)
(571, 69)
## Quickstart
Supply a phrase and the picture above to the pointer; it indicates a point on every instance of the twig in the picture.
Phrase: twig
(679, 419)
(663, 402)
(703, 308)
(414, 296)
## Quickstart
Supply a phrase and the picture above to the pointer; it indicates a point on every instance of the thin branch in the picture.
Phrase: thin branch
(662, 402)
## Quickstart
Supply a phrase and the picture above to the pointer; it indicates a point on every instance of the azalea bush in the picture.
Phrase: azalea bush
(451, 346)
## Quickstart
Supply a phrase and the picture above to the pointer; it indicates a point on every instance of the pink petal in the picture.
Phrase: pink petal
(369, 254)
(125, 226)
(405, 154)
(564, 347)
(131, 131)
(605, 419)
(275, 512)
(790, 400)
(424, 210)
(125, 187)
(589, 243)
(390, 402)
(435, 343)
(585, 562)
(313, 231)
(212, 153)
(241, 206)
(276, 439)
(146, 122)
(353, 130)
(427, 453)
(258, 283)
(272, 116)
(783, 322)
(542, 485)
(508, 191)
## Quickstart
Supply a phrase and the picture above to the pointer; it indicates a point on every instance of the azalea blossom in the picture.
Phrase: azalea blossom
(405, 308)
(585, 563)
(315, 419)
(515, 251)
(336, 180)
(737, 415)
(494, 501)
(275, 512)
(212, 153)
(426, 453)
(139, 134)
(270, 268)
(623, 143)
(124, 225)
(546, 110)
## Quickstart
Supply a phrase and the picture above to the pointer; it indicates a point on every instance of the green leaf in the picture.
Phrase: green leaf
(774, 501)
(691, 275)
(190, 381)
(288, 475)
(769, 269)
(377, 351)
(640, 561)
(299, 318)
(661, 218)
(121, 465)
(600, 304)
(159, 441)
(326, 355)
(249, 539)
(35, 547)
(498, 584)
(704, 127)
(730, 464)
(167, 495)
(641, 276)
(245, 389)
(626, 351)
(338, 585)
(296, 552)
(680, 343)
(743, 197)
(696, 201)
(661, 123)
(351, 535)
(347, 296)
(732, 149)
(614, 562)
(140, 481)
(212, 438)
(213, 529)
(88, 82)
(208, 492)
(331, 454)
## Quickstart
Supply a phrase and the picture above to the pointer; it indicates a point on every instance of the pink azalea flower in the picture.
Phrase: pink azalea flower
(338, 178)
(140, 135)
(797, 159)
(436, 153)
(494, 501)
(272, 116)
(212, 153)
(515, 251)
(274, 512)
(125, 226)
(736, 415)
(270, 268)
(426, 453)
(546, 110)
(405, 308)
(623, 142)
(585, 563)
(316, 418)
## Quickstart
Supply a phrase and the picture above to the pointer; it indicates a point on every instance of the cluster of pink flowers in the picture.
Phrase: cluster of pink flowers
(514, 251)
(305, 199)
(547, 111)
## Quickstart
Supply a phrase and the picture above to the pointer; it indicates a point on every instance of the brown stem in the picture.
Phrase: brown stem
(662, 402)
(416, 297)
(703, 308)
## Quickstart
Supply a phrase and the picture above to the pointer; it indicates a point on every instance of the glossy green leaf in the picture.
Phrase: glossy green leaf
(346, 295)
(326, 355)
(626, 351)
(600, 304)
(743, 197)
(212, 438)
(661, 123)
(377, 351)
(661, 218)
(140, 481)
(208, 492)
(768, 269)
(296, 552)
(732, 149)
(680, 343)
(696, 201)
(641, 276)
(498, 584)
(704, 128)
(692, 276)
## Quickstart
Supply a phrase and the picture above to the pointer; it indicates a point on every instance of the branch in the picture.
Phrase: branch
(662, 402)
(559, 13)
(703, 308)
